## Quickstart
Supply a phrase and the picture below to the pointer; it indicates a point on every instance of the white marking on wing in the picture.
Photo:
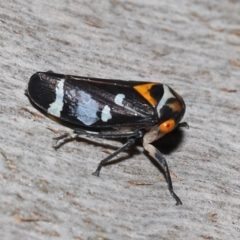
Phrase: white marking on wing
(106, 115)
(56, 107)
(83, 107)
(119, 101)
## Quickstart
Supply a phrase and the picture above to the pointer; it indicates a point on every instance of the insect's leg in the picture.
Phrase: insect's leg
(64, 137)
(163, 163)
(100, 134)
(103, 134)
(129, 142)
(183, 124)
(109, 134)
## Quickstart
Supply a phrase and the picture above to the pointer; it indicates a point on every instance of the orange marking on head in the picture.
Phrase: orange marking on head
(175, 106)
(144, 91)
(167, 126)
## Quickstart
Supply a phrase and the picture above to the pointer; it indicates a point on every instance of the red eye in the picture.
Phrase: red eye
(167, 126)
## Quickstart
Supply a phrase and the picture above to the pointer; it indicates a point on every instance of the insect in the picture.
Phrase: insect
(111, 109)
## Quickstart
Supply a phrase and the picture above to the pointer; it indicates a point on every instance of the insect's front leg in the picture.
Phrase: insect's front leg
(163, 163)
(183, 124)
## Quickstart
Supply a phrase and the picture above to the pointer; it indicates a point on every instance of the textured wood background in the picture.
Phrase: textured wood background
(194, 46)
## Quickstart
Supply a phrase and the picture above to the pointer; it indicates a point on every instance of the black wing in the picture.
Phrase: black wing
(91, 102)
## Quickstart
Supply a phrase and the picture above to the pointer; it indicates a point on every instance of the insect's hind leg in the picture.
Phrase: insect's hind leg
(129, 142)
(110, 134)
(64, 137)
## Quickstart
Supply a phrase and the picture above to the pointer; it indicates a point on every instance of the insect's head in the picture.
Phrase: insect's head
(170, 110)
(169, 107)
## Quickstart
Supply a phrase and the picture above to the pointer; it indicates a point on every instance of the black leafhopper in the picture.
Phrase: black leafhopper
(111, 109)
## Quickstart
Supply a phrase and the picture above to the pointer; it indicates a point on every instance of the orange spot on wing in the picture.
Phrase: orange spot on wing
(144, 91)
